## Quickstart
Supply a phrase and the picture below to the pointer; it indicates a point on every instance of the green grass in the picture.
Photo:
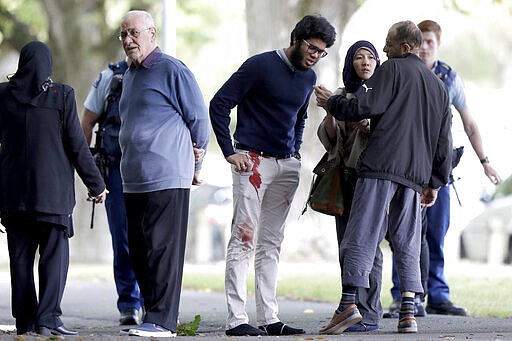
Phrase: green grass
(482, 295)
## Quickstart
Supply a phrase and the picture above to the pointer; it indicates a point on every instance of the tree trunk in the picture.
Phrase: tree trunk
(76, 34)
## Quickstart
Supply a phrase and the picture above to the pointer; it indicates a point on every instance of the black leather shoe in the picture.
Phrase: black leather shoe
(446, 308)
(419, 308)
(394, 309)
(130, 317)
(61, 330)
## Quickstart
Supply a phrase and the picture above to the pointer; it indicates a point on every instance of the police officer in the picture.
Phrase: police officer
(102, 106)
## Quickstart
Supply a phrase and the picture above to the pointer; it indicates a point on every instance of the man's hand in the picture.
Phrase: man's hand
(240, 161)
(428, 197)
(322, 95)
(196, 181)
(492, 174)
(101, 197)
(198, 153)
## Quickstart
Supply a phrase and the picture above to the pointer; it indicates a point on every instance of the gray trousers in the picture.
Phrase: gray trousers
(367, 299)
(376, 200)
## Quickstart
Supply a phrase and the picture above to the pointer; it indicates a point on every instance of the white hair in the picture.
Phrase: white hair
(148, 19)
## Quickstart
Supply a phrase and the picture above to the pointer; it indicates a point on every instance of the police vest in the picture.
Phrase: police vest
(109, 121)
(445, 73)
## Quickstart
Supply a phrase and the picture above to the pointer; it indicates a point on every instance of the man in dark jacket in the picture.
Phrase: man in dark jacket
(41, 145)
(407, 159)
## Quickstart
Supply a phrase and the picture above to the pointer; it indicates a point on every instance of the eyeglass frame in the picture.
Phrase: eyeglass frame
(132, 32)
(315, 49)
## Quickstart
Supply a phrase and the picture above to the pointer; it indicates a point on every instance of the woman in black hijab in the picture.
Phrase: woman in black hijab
(348, 140)
(41, 145)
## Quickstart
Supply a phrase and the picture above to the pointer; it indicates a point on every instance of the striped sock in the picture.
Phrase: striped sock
(407, 307)
(348, 297)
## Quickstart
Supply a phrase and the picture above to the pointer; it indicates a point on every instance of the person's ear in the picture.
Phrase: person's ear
(152, 31)
(406, 48)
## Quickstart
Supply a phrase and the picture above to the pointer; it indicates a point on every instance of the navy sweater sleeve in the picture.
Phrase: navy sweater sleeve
(229, 96)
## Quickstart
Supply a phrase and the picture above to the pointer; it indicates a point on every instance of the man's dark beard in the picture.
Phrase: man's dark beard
(296, 58)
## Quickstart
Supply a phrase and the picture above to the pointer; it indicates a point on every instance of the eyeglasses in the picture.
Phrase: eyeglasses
(132, 33)
(312, 49)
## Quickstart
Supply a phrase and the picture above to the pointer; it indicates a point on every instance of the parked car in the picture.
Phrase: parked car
(488, 236)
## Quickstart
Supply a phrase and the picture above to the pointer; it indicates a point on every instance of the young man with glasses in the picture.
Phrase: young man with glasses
(162, 116)
(271, 91)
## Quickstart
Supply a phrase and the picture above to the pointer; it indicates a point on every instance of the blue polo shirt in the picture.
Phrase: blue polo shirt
(162, 113)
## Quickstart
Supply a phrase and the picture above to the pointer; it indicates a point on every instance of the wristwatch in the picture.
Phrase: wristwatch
(484, 160)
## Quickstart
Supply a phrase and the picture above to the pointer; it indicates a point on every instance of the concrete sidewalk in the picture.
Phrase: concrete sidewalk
(89, 306)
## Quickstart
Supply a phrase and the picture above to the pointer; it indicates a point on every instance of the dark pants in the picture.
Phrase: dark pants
(435, 223)
(23, 240)
(438, 219)
(126, 284)
(157, 231)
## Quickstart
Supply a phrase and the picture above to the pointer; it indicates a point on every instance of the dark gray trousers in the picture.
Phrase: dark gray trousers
(376, 200)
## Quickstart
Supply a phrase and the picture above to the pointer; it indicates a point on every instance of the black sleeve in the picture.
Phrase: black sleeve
(77, 148)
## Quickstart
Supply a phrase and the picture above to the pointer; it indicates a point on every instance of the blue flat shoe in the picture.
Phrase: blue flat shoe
(361, 327)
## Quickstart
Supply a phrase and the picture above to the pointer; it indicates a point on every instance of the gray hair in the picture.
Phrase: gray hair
(408, 32)
(148, 19)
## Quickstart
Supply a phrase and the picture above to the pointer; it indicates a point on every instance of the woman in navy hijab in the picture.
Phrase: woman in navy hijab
(348, 140)
(41, 146)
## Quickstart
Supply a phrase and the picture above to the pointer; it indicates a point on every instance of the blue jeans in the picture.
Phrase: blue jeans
(126, 284)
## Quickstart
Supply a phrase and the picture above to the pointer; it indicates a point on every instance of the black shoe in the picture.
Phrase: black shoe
(446, 308)
(245, 330)
(61, 330)
(130, 317)
(394, 309)
(419, 308)
(279, 328)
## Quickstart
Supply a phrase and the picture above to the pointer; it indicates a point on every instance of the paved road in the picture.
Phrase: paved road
(89, 307)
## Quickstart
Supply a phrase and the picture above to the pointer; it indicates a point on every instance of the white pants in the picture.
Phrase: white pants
(261, 202)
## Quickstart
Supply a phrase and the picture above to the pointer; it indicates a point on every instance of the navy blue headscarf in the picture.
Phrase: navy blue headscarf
(34, 71)
(350, 78)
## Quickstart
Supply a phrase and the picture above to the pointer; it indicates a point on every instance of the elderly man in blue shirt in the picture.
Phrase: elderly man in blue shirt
(163, 116)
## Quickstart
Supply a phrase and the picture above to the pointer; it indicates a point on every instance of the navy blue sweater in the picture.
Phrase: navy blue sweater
(272, 102)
